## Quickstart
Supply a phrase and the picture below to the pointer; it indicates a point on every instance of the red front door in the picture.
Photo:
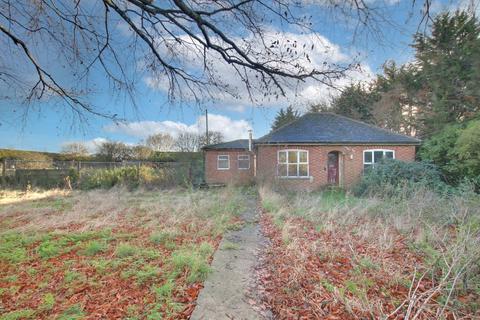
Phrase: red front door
(333, 168)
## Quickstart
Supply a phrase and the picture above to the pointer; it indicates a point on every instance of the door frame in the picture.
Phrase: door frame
(340, 168)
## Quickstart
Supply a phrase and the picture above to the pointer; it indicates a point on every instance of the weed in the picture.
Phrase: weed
(125, 250)
(12, 248)
(351, 286)
(31, 271)
(75, 312)
(230, 246)
(147, 273)
(50, 248)
(150, 254)
(205, 249)
(164, 291)
(327, 285)
(11, 278)
(270, 206)
(368, 264)
(133, 313)
(192, 262)
(72, 276)
(162, 237)
(18, 314)
(48, 302)
(95, 247)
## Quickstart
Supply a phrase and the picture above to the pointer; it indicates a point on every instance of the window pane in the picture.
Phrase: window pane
(282, 157)
(303, 156)
(292, 157)
(244, 164)
(377, 156)
(292, 170)
(389, 154)
(222, 157)
(282, 170)
(367, 156)
(303, 170)
(223, 164)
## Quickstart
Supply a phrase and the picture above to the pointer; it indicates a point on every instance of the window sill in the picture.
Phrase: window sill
(223, 169)
(294, 178)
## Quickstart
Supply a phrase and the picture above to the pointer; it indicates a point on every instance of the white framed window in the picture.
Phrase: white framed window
(243, 162)
(292, 163)
(371, 157)
(223, 162)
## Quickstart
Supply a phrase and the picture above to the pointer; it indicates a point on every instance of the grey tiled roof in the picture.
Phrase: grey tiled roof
(235, 144)
(330, 128)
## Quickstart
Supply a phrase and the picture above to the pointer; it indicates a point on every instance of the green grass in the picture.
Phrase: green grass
(230, 246)
(193, 261)
(95, 247)
(49, 249)
(73, 276)
(164, 291)
(48, 302)
(270, 206)
(125, 250)
(18, 314)
(327, 285)
(147, 273)
(75, 312)
(162, 237)
(13, 247)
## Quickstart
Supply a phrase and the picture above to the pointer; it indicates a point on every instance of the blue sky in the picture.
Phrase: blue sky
(48, 124)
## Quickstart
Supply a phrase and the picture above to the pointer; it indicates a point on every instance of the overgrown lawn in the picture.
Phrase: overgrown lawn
(415, 255)
(109, 254)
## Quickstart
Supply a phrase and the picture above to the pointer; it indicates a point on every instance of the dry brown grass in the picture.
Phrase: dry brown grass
(16, 196)
(57, 210)
(372, 250)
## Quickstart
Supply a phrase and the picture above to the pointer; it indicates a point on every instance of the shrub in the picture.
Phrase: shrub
(133, 177)
(74, 176)
(386, 177)
(108, 178)
(456, 151)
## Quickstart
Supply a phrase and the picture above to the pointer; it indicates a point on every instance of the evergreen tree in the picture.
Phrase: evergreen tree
(449, 64)
(284, 117)
(399, 97)
(355, 102)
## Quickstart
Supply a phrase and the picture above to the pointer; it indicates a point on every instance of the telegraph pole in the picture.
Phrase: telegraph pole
(206, 127)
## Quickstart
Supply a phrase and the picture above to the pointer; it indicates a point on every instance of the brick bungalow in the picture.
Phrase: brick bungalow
(317, 150)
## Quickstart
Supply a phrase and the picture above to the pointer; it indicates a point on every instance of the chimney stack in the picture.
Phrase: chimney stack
(250, 140)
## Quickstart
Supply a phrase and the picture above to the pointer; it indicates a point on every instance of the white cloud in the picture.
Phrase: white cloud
(231, 129)
(91, 145)
(322, 55)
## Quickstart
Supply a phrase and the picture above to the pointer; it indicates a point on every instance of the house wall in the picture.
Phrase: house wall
(232, 175)
(351, 164)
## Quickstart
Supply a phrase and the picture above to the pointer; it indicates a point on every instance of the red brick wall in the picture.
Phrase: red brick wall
(351, 164)
(232, 175)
